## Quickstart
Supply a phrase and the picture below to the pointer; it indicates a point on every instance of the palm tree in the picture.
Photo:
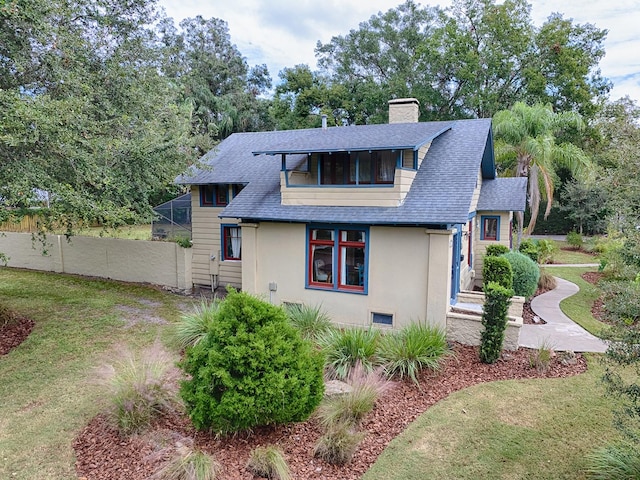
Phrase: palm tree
(526, 144)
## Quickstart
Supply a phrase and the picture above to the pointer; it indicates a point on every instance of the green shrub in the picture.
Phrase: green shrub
(338, 444)
(189, 464)
(497, 269)
(344, 348)
(526, 274)
(139, 388)
(529, 248)
(546, 250)
(268, 462)
(311, 322)
(622, 302)
(351, 407)
(251, 369)
(615, 462)
(496, 249)
(574, 239)
(6, 315)
(494, 320)
(415, 347)
(192, 327)
(184, 242)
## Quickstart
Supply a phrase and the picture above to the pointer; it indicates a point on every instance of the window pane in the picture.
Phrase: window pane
(232, 243)
(386, 167)
(318, 234)
(352, 266)
(352, 236)
(353, 160)
(491, 228)
(364, 172)
(321, 266)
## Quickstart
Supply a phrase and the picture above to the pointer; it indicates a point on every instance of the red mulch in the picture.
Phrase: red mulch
(14, 332)
(102, 454)
(592, 277)
(597, 309)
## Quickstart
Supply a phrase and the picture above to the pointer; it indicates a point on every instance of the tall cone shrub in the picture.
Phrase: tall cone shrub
(494, 320)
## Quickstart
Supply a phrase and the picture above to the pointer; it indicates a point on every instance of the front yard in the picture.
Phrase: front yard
(48, 393)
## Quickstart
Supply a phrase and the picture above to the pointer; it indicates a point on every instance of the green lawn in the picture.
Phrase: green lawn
(572, 256)
(47, 387)
(533, 429)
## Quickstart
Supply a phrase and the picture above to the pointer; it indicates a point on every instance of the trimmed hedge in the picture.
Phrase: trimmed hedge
(497, 269)
(526, 274)
(496, 249)
(251, 369)
(494, 319)
(529, 248)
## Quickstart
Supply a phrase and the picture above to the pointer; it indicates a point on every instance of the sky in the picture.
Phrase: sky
(284, 33)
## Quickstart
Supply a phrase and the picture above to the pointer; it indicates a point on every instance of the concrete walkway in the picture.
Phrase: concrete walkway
(560, 332)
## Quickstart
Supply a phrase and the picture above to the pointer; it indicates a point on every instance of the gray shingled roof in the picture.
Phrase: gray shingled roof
(503, 194)
(441, 192)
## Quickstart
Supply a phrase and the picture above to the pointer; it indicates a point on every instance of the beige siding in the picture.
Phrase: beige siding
(476, 192)
(481, 245)
(205, 234)
(406, 266)
(422, 152)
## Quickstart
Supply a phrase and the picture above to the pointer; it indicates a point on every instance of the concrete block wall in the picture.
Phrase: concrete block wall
(160, 263)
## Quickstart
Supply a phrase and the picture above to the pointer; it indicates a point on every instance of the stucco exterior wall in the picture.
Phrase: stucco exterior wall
(160, 263)
(467, 329)
(207, 246)
(406, 267)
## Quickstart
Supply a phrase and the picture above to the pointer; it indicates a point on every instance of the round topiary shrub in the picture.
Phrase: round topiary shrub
(529, 248)
(497, 269)
(526, 274)
(251, 369)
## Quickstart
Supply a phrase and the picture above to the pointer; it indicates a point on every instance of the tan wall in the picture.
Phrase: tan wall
(481, 245)
(160, 263)
(347, 196)
(205, 234)
(476, 192)
(405, 265)
(467, 329)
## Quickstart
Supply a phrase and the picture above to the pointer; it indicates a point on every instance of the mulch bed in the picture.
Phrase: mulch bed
(102, 454)
(14, 332)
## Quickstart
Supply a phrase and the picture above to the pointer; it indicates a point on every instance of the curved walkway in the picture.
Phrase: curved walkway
(560, 332)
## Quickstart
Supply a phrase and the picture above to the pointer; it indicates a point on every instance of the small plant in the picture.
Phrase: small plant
(574, 239)
(192, 327)
(310, 321)
(546, 250)
(351, 407)
(184, 242)
(546, 281)
(414, 348)
(525, 274)
(494, 320)
(497, 269)
(6, 315)
(252, 368)
(615, 462)
(268, 462)
(540, 359)
(344, 348)
(188, 464)
(529, 248)
(139, 388)
(622, 302)
(496, 249)
(338, 444)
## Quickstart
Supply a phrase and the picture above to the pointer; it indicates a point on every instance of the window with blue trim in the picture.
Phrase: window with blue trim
(214, 195)
(358, 168)
(490, 228)
(337, 258)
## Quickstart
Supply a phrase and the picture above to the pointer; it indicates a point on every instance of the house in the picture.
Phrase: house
(381, 224)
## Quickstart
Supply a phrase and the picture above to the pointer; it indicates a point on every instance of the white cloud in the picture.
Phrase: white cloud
(284, 33)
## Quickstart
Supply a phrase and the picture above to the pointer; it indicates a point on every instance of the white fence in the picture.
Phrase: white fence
(161, 263)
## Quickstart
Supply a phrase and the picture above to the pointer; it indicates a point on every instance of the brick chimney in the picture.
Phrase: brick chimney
(404, 110)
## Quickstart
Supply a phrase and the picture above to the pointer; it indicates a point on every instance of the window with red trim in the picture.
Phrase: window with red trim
(214, 195)
(490, 228)
(337, 259)
(470, 244)
(231, 242)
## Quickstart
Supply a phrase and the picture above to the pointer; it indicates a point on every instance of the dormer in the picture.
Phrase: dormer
(372, 165)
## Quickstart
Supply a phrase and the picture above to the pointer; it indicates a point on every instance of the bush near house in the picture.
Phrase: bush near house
(574, 239)
(498, 270)
(529, 248)
(494, 319)
(496, 249)
(251, 369)
(526, 274)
